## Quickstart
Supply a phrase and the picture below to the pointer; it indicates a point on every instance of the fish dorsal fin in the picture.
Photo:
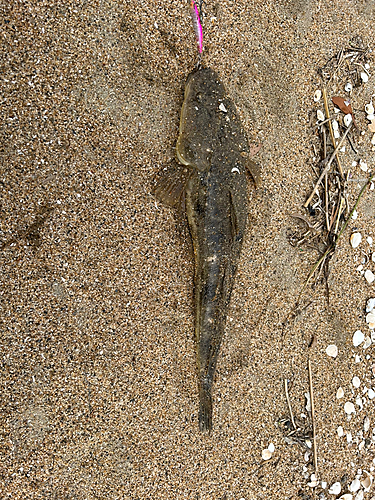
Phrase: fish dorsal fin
(171, 186)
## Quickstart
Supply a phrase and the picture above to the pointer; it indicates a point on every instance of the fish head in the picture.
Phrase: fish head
(200, 119)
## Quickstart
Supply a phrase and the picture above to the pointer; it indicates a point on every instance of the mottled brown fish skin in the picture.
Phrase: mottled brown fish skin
(210, 143)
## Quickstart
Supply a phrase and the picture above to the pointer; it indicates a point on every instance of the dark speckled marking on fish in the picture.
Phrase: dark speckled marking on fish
(212, 189)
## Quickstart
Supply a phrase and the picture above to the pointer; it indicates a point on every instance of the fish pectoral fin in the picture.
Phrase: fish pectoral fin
(253, 169)
(171, 187)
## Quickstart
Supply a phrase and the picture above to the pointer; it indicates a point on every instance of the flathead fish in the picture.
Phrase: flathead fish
(212, 188)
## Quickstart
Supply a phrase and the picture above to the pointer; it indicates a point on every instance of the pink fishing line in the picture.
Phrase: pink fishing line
(197, 25)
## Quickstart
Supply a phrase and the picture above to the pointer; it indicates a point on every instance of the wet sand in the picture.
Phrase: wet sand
(98, 377)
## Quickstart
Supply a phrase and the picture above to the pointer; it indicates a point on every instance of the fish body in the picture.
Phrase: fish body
(212, 147)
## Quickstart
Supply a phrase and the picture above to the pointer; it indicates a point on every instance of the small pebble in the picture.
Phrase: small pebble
(355, 239)
(356, 382)
(364, 77)
(358, 338)
(335, 489)
(332, 350)
(271, 447)
(340, 393)
(369, 275)
(369, 240)
(349, 408)
(317, 95)
(266, 454)
(340, 431)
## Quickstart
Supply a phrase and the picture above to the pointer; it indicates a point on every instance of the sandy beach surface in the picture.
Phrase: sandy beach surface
(98, 371)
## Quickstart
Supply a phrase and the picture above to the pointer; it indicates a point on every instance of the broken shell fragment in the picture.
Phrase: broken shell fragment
(320, 115)
(349, 408)
(364, 77)
(370, 317)
(317, 95)
(332, 350)
(358, 338)
(340, 393)
(348, 120)
(335, 489)
(340, 431)
(355, 485)
(348, 87)
(355, 239)
(367, 481)
(369, 276)
(347, 496)
(370, 306)
(369, 108)
(366, 424)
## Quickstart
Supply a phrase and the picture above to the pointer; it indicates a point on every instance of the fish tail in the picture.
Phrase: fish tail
(205, 410)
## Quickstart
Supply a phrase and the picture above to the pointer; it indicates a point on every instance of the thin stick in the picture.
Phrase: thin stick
(331, 129)
(313, 419)
(289, 405)
(327, 167)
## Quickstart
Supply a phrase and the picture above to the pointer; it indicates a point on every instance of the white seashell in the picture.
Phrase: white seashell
(271, 447)
(370, 306)
(349, 437)
(317, 95)
(359, 495)
(223, 108)
(340, 393)
(340, 431)
(369, 108)
(364, 77)
(332, 351)
(373, 140)
(355, 213)
(357, 358)
(336, 134)
(370, 117)
(320, 115)
(369, 240)
(367, 481)
(356, 382)
(369, 276)
(335, 125)
(335, 489)
(367, 343)
(336, 110)
(358, 338)
(367, 66)
(347, 496)
(371, 394)
(360, 268)
(370, 317)
(373, 257)
(235, 169)
(348, 87)
(355, 485)
(266, 454)
(363, 165)
(349, 408)
(324, 485)
(359, 402)
(366, 424)
(348, 119)
(355, 239)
